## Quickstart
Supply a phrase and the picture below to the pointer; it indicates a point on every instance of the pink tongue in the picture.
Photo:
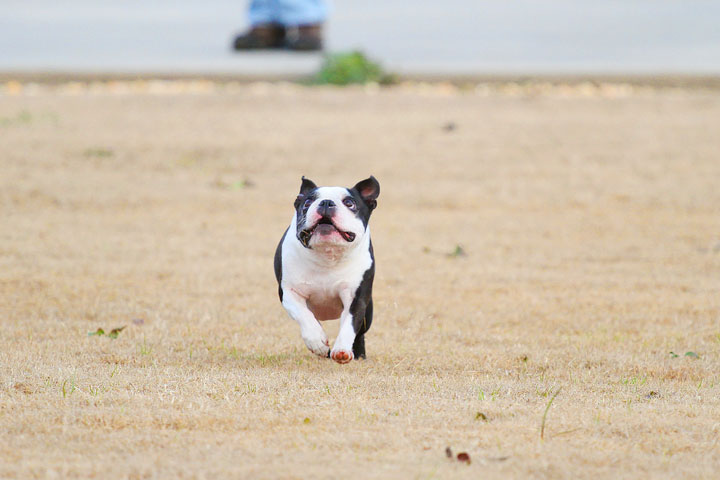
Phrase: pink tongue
(324, 229)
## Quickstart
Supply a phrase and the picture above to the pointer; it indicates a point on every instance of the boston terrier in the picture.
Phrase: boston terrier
(325, 266)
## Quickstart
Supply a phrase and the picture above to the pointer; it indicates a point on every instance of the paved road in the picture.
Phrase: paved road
(409, 36)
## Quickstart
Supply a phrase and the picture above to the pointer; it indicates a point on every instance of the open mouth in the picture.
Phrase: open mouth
(325, 226)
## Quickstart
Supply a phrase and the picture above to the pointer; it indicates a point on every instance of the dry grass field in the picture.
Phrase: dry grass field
(588, 221)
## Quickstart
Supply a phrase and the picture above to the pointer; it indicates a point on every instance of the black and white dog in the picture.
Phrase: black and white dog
(325, 266)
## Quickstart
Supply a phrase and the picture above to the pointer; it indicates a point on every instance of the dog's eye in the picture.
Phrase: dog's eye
(350, 203)
(307, 203)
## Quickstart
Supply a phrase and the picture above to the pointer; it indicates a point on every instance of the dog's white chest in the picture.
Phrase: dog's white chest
(322, 292)
(325, 283)
(321, 285)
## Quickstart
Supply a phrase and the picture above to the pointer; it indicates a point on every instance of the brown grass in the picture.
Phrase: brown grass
(591, 222)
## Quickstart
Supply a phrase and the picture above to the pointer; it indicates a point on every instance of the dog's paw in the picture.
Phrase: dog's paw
(341, 356)
(317, 343)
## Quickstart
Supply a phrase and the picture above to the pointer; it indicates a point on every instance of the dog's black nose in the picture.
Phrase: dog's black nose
(326, 208)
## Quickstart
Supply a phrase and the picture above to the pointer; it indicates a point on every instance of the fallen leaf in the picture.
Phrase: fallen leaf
(464, 457)
(98, 332)
(480, 416)
(692, 355)
(115, 332)
(306, 420)
(448, 452)
(21, 387)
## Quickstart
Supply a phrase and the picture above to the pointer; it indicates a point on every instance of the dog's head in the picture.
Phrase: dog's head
(334, 215)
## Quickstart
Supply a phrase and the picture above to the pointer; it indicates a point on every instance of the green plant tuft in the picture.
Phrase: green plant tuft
(346, 68)
(544, 417)
(458, 252)
(98, 152)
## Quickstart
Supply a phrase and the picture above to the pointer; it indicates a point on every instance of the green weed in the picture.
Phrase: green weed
(544, 417)
(21, 118)
(346, 68)
(144, 348)
(68, 389)
(98, 152)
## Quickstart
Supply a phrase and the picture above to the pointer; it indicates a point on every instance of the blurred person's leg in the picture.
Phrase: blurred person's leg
(295, 24)
(293, 13)
(303, 21)
(266, 30)
(261, 12)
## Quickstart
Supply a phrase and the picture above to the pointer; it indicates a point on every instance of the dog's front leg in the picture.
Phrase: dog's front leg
(312, 333)
(342, 351)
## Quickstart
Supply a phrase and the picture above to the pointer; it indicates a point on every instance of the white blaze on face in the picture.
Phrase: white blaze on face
(344, 219)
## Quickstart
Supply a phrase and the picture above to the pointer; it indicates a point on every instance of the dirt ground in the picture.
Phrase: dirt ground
(531, 240)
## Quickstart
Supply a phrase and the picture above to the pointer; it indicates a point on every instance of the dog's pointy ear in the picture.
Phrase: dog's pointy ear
(369, 189)
(306, 187)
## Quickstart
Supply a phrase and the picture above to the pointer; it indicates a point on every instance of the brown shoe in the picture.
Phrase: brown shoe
(266, 35)
(304, 37)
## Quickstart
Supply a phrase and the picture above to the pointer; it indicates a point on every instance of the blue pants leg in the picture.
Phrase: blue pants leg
(262, 11)
(288, 12)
